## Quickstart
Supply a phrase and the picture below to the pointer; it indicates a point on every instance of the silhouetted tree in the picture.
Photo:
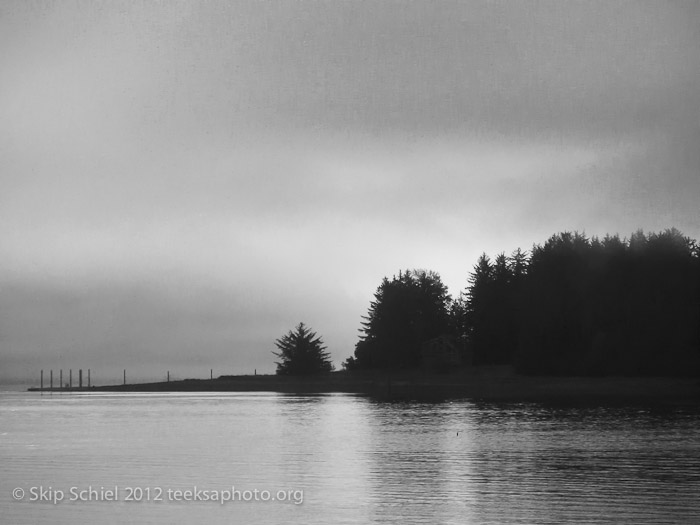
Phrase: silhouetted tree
(574, 306)
(552, 333)
(458, 324)
(517, 264)
(479, 309)
(611, 306)
(301, 352)
(406, 311)
(492, 307)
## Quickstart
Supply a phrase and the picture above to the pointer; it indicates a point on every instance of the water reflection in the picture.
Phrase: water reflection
(357, 460)
(532, 463)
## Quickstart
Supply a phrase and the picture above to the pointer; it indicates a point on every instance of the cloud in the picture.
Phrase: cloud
(371, 67)
(380, 67)
(188, 176)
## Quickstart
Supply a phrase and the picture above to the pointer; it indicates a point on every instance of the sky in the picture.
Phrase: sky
(181, 183)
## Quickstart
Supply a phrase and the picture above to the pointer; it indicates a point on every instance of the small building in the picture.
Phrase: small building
(443, 353)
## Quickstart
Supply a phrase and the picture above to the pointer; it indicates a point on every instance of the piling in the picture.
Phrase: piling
(211, 373)
(60, 379)
(70, 379)
(124, 376)
(88, 378)
(168, 376)
(80, 379)
(42, 380)
(51, 383)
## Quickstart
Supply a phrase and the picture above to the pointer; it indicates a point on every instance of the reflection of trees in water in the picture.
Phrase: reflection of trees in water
(416, 461)
(554, 464)
(528, 462)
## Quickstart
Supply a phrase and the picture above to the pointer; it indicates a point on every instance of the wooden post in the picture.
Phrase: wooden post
(51, 384)
(60, 379)
(125, 376)
(70, 379)
(80, 378)
(168, 376)
(211, 373)
(42, 380)
(88, 378)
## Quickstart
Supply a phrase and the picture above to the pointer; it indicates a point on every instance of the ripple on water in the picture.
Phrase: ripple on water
(357, 460)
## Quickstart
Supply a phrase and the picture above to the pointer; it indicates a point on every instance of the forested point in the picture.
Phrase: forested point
(572, 306)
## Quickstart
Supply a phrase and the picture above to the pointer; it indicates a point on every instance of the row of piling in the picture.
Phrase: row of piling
(69, 385)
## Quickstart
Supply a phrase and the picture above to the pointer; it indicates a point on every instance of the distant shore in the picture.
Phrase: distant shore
(487, 383)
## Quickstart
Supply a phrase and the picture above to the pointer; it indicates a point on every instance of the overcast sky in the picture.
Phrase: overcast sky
(183, 182)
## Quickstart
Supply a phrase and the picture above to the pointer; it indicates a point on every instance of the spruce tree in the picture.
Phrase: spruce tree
(301, 352)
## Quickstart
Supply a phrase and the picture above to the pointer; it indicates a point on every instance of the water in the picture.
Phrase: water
(344, 459)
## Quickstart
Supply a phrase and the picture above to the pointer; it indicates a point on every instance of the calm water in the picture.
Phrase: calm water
(350, 459)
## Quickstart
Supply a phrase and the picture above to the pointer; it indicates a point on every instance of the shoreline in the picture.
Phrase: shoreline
(494, 384)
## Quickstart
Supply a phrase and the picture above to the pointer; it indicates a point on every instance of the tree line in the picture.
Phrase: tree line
(571, 306)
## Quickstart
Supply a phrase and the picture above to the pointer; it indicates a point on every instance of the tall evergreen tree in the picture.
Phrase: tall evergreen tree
(458, 326)
(406, 311)
(611, 306)
(575, 306)
(492, 306)
(479, 308)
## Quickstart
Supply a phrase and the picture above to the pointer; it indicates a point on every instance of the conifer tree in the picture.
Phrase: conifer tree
(301, 352)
